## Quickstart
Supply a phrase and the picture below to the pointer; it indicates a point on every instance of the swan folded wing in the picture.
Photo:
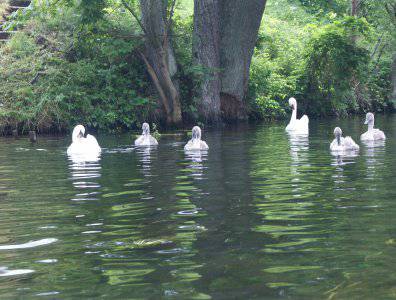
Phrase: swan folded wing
(204, 146)
(349, 144)
(146, 141)
(379, 135)
(373, 135)
(153, 141)
(305, 119)
(92, 143)
(139, 141)
(196, 145)
(299, 125)
(334, 146)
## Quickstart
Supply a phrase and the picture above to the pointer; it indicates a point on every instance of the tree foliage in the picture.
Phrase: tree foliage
(79, 61)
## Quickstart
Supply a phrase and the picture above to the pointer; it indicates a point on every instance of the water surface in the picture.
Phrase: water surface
(261, 215)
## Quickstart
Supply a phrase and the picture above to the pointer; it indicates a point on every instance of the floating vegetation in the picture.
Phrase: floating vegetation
(290, 269)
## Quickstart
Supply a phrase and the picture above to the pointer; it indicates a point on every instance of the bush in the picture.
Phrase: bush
(52, 80)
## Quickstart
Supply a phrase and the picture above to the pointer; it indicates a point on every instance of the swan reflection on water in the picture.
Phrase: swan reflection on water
(196, 159)
(299, 144)
(299, 147)
(85, 170)
(144, 154)
(373, 151)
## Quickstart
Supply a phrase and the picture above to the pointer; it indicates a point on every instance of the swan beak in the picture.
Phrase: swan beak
(366, 122)
(80, 134)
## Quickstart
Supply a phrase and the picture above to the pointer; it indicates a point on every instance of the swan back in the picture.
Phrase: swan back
(81, 145)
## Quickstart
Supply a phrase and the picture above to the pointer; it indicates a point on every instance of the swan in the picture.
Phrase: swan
(83, 145)
(342, 144)
(372, 134)
(196, 143)
(146, 139)
(295, 125)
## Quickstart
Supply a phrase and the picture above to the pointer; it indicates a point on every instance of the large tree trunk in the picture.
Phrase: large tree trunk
(159, 57)
(224, 38)
(394, 79)
(206, 53)
(239, 25)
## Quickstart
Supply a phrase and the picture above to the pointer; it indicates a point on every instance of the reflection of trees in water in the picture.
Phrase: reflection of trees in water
(365, 250)
(227, 249)
(286, 186)
(148, 242)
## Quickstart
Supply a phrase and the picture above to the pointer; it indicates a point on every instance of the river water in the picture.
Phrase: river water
(261, 215)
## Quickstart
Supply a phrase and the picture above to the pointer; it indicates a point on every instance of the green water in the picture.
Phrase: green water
(260, 216)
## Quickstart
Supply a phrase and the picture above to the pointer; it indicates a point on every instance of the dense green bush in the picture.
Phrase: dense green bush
(335, 65)
(327, 61)
(60, 70)
(58, 73)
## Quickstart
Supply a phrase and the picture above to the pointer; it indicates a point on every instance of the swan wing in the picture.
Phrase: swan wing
(379, 135)
(305, 119)
(153, 141)
(204, 146)
(349, 144)
(92, 143)
(139, 141)
(365, 136)
(189, 145)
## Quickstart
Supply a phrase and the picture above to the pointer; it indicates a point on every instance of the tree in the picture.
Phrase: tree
(155, 22)
(158, 56)
(225, 34)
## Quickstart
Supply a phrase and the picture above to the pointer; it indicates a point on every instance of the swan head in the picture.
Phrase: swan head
(196, 133)
(146, 129)
(369, 119)
(338, 134)
(78, 132)
(293, 103)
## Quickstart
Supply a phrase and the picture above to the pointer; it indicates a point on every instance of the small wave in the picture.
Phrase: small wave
(30, 244)
(5, 272)
(48, 261)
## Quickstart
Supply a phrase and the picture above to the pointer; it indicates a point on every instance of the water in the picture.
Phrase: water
(260, 216)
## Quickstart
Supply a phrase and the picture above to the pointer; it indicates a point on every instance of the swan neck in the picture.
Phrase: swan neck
(339, 140)
(370, 126)
(294, 114)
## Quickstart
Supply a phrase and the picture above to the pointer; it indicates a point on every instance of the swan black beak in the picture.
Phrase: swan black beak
(80, 134)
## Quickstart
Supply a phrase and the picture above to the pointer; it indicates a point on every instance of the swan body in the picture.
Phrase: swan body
(298, 126)
(146, 139)
(196, 143)
(83, 145)
(372, 134)
(340, 143)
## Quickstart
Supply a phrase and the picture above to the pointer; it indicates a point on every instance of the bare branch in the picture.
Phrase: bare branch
(134, 14)
(377, 45)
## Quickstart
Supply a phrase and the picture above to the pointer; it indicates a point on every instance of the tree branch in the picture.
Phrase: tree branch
(134, 14)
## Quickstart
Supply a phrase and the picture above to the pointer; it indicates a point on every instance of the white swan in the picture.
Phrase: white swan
(83, 145)
(340, 143)
(146, 139)
(196, 143)
(372, 134)
(299, 126)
